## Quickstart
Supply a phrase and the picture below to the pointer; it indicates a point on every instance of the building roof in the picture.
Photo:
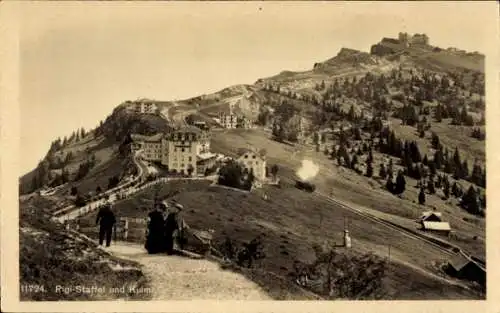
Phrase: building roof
(139, 137)
(436, 225)
(458, 262)
(245, 151)
(206, 156)
(427, 214)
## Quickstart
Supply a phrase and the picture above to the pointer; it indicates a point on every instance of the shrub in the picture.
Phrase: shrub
(244, 254)
(343, 275)
(233, 175)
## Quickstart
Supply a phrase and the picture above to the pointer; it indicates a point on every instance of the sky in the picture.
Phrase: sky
(79, 60)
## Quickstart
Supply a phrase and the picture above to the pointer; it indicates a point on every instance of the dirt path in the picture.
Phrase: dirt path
(182, 278)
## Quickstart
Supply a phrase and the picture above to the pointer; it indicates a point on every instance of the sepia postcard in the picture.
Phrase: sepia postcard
(249, 156)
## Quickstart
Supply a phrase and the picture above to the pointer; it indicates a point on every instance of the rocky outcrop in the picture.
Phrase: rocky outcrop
(349, 57)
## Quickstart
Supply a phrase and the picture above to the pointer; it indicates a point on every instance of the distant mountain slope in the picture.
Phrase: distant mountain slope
(301, 88)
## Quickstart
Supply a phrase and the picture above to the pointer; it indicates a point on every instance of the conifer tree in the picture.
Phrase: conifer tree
(438, 159)
(430, 186)
(382, 172)
(435, 141)
(446, 189)
(347, 160)
(421, 133)
(421, 197)
(454, 189)
(465, 169)
(439, 182)
(369, 169)
(354, 162)
(357, 133)
(438, 116)
(425, 161)
(400, 183)
(390, 170)
(483, 179)
(456, 159)
(389, 184)
(370, 156)
(470, 201)
(476, 174)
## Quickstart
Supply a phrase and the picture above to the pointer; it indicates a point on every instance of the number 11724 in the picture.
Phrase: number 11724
(32, 288)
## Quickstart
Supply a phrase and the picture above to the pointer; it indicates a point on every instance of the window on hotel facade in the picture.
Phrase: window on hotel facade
(182, 150)
(190, 159)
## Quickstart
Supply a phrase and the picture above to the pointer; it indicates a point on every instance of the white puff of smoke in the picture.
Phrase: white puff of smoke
(308, 170)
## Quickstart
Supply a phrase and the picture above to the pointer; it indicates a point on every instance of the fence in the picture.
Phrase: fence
(125, 228)
(120, 193)
(134, 229)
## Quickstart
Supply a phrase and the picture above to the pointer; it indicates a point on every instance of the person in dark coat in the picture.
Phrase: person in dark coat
(106, 220)
(155, 239)
(171, 226)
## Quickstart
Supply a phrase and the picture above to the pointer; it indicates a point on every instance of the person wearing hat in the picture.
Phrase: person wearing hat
(172, 228)
(106, 220)
(179, 235)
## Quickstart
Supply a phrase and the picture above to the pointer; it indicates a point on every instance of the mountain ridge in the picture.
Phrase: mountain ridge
(346, 63)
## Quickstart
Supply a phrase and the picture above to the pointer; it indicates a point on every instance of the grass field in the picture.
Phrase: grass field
(290, 222)
(450, 136)
(50, 257)
(100, 174)
(359, 191)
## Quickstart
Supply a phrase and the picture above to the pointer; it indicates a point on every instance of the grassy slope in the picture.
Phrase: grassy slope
(100, 175)
(450, 136)
(356, 189)
(289, 222)
(50, 257)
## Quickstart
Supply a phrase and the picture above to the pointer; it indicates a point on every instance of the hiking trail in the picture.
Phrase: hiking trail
(184, 278)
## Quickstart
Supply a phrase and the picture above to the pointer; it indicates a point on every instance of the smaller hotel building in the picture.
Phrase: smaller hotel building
(253, 161)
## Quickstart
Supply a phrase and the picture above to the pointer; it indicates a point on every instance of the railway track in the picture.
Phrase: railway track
(399, 229)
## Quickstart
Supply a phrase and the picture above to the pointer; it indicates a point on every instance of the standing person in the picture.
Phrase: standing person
(179, 234)
(171, 225)
(156, 232)
(106, 220)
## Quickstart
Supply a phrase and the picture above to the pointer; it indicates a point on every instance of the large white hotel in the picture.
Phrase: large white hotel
(184, 150)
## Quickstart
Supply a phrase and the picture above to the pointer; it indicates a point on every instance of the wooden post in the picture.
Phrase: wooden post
(125, 230)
